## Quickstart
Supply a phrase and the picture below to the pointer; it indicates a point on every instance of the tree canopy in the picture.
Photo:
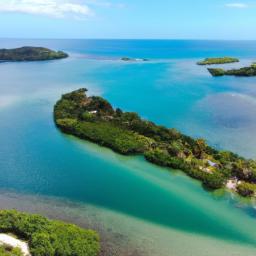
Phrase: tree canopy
(49, 237)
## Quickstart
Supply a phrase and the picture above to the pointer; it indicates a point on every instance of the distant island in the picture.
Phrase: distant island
(29, 53)
(222, 60)
(133, 59)
(38, 236)
(94, 119)
(246, 71)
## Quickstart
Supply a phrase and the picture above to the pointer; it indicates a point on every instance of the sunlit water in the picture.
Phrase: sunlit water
(155, 210)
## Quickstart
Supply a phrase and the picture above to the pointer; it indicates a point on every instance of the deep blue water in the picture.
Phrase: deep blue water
(163, 49)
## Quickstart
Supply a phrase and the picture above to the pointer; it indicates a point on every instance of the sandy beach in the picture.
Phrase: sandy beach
(13, 242)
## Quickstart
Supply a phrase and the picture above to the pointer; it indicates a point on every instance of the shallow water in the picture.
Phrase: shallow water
(130, 196)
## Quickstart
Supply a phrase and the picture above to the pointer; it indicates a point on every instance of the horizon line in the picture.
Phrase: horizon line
(139, 39)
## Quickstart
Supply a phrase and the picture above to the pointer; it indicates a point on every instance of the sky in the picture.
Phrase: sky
(129, 19)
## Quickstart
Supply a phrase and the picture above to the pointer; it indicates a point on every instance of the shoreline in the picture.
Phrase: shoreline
(94, 119)
(67, 211)
(111, 242)
(9, 240)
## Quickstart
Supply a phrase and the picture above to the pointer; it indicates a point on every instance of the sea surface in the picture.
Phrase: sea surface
(139, 208)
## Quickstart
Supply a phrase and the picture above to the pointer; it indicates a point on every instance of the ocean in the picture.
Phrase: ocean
(139, 208)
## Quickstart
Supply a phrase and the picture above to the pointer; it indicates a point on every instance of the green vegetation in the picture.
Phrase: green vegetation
(105, 134)
(94, 119)
(216, 71)
(246, 71)
(246, 189)
(9, 251)
(224, 60)
(47, 237)
(28, 53)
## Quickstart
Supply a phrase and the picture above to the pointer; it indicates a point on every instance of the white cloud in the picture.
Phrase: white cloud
(237, 5)
(53, 8)
(103, 3)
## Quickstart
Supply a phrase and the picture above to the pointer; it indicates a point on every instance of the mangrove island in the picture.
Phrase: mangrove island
(246, 71)
(38, 236)
(212, 61)
(28, 53)
(94, 119)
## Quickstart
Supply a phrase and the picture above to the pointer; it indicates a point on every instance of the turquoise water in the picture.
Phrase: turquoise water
(37, 160)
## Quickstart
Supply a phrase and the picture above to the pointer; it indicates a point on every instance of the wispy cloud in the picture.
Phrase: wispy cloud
(53, 8)
(237, 5)
(103, 3)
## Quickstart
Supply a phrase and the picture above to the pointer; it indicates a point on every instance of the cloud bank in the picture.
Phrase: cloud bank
(52, 8)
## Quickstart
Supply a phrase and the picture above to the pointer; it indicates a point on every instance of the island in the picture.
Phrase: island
(93, 118)
(245, 71)
(133, 59)
(38, 236)
(28, 53)
(222, 60)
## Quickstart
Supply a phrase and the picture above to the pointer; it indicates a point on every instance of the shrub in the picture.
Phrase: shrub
(49, 238)
(246, 189)
(8, 251)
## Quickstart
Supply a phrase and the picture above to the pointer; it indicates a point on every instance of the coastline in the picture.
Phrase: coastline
(83, 215)
(94, 119)
(8, 240)
(138, 238)
(37, 148)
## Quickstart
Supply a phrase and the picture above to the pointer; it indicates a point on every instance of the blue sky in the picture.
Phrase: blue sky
(161, 19)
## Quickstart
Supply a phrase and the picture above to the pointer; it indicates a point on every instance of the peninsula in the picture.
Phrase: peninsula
(212, 61)
(29, 53)
(38, 236)
(246, 71)
(94, 119)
